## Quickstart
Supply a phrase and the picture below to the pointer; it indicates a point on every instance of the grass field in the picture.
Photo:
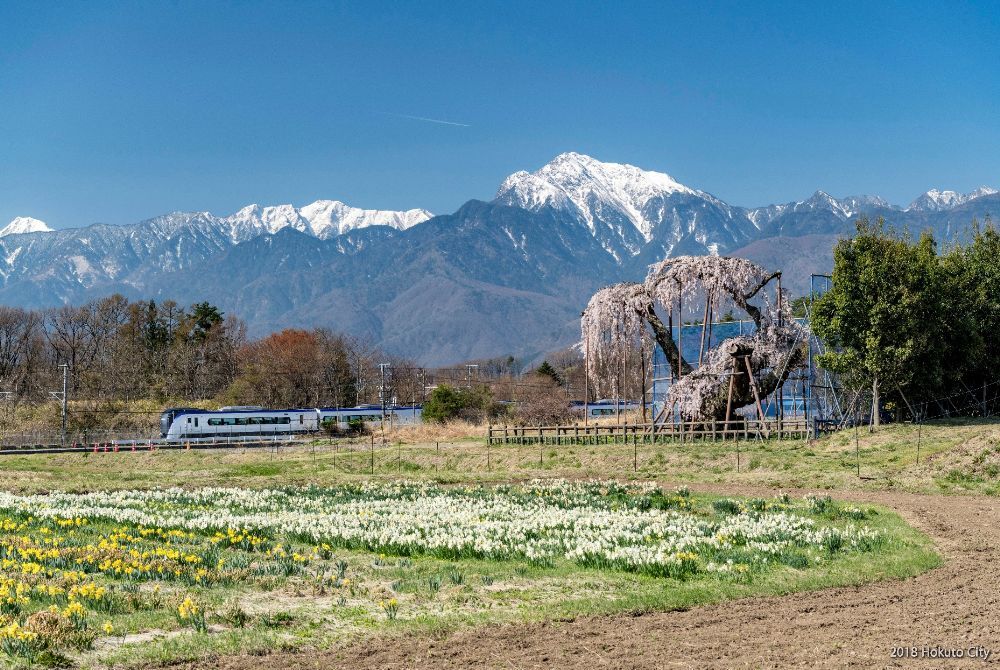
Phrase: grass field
(954, 457)
(299, 592)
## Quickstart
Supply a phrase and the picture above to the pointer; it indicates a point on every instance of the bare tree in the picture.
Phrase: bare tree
(68, 331)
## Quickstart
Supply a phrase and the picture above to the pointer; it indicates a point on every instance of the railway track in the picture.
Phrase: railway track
(131, 446)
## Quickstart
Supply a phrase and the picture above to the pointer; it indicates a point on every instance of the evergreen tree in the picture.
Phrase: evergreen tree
(546, 370)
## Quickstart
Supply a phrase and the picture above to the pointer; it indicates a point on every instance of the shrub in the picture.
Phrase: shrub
(543, 403)
(447, 402)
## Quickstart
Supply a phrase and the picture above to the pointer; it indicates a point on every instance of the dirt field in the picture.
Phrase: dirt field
(954, 607)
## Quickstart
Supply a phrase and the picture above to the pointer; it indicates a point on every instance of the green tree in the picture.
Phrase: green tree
(546, 370)
(885, 318)
(204, 317)
(974, 313)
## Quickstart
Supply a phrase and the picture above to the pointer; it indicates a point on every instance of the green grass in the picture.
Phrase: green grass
(955, 457)
(438, 595)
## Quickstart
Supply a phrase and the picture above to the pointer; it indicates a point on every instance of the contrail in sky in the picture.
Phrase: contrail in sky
(424, 118)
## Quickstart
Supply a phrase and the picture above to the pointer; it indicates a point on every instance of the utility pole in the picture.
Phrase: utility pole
(62, 395)
(468, 375)
(381, 390)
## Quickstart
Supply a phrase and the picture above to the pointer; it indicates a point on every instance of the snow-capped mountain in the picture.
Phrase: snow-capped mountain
(627, 208)
(502, 277)
(324, 219)
(24, 224)
(820, 213)
(61, 265)
(330, 218)
(937, 201)
(589, 188)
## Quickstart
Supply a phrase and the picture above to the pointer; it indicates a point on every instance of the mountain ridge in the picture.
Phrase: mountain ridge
(508, 276)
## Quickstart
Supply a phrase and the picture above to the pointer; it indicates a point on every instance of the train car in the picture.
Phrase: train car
(244, 422)
(397, 416)
(184, 424)
(604, 408)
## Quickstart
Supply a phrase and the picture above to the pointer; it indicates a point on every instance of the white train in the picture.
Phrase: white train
(184, 423)
(597, 409)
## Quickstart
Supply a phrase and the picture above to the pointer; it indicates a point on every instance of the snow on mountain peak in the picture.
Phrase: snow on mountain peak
(323, 219)
(329, 218)
(587, 186)
(24, 224)
(981, 191)
(936, 201)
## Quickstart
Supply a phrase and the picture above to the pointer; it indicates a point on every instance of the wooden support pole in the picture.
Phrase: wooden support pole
(642, 359)
(729, 401)
(780, 391)
(680, 329)
(756, 394)
(704, 329)
(711, 319)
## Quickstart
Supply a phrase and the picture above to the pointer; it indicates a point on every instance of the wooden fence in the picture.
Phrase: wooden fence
(647, 433)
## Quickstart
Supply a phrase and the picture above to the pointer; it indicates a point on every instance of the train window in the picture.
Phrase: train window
(241, 421)
(215, 422)
(301, 419)
(189, 419)
(229, 421)
(196, 422)
(284, 420)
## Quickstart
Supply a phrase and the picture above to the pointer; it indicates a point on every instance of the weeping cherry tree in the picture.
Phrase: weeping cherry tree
(624, 316)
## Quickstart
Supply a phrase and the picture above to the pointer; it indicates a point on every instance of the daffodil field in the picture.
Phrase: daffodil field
(92, 575)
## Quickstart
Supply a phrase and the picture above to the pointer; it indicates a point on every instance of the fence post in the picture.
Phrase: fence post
(373, 454)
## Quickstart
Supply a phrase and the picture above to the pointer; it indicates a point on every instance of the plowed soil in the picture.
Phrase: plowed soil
(955, 607)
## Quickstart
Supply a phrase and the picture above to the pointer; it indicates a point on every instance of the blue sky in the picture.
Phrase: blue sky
(116, 112)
